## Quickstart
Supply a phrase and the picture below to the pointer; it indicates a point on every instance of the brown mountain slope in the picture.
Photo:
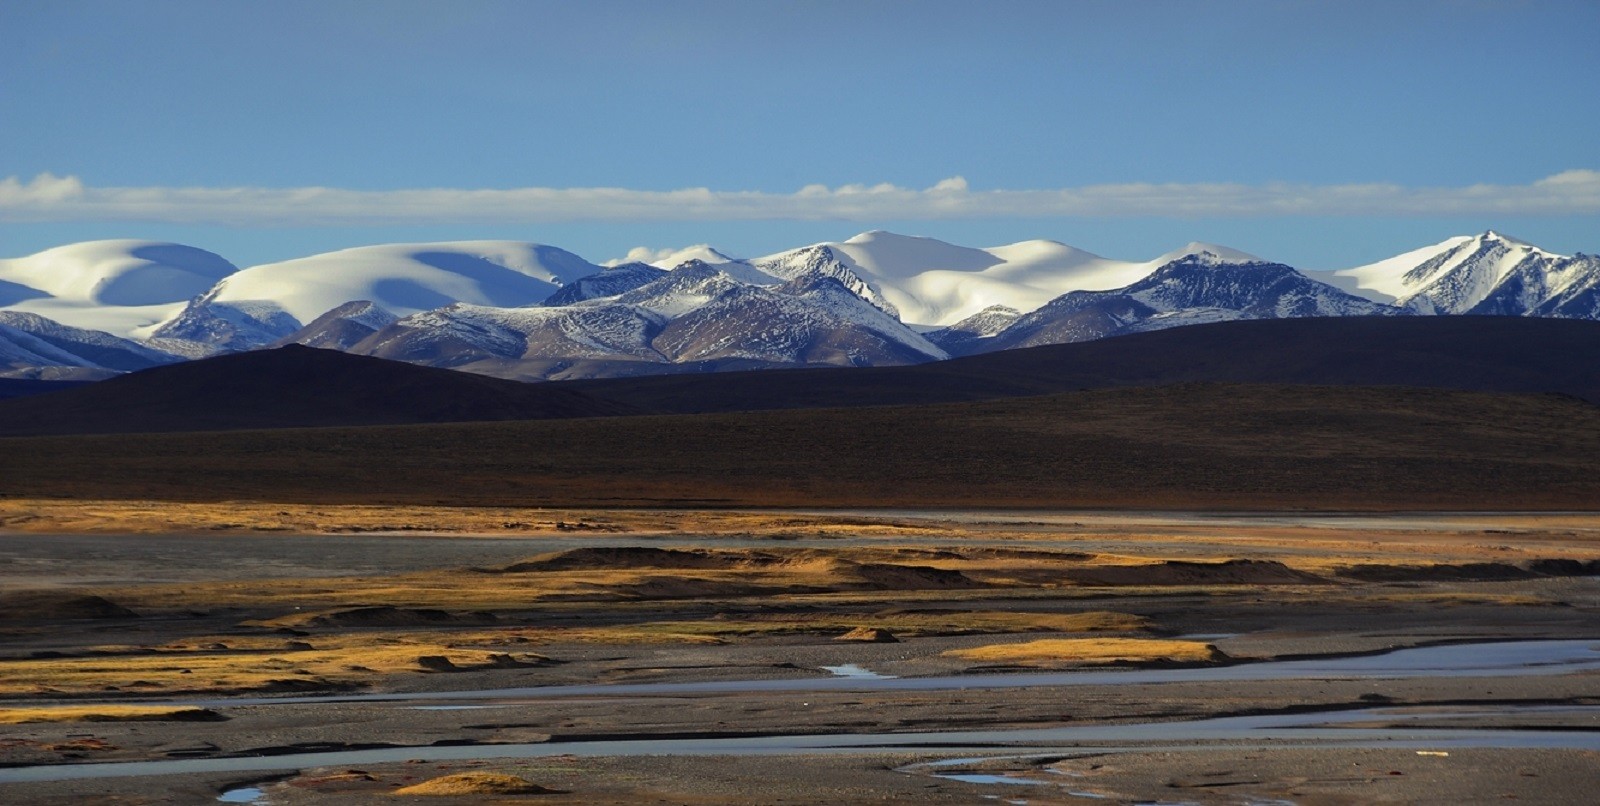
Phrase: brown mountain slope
(291, 386)
(1506, 354)
(1186, 446)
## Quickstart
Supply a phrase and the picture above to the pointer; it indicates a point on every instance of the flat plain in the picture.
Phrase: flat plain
(321, 653)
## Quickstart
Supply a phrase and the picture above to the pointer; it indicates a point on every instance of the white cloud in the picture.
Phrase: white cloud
(52, 198)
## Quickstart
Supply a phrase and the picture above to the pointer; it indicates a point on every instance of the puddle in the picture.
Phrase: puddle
(244, 794)
(854, 672)
(985, 778)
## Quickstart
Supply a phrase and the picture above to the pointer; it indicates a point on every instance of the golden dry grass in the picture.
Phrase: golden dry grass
(366, 657)
(46, 515)
(104, 713)
(912, 624)
(474, 783)
(1131, 538)
(1053, 651)
(229, 671)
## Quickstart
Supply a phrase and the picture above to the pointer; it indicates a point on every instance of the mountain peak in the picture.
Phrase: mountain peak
(1491, 235)
(671, 258)
(1216, 253)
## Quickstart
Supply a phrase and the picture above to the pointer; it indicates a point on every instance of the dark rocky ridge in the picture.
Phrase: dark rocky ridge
(1505, 354)
(292, 386)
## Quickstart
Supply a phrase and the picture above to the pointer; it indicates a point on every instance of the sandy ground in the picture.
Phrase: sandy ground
(191, 596)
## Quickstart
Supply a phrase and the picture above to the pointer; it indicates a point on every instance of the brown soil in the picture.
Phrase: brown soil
(36, 605)
(1179, 572)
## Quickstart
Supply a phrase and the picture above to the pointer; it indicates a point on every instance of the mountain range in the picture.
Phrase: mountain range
(296, 386)
(534, 312)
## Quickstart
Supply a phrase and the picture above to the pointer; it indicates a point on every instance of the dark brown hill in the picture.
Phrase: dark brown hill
(291, 386)
(1481, 353)
(20, 387)
(1201, 446)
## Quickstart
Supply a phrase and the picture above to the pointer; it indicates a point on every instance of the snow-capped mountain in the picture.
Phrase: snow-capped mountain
(118, 287)
(23, 356)
(673, 258)
(531, 310)
(408, 278)
(681, 290)
(810, 320)
(33, 346)
(341, 328)
(693, 314)
(1487, 274)
(103, 349)
(614, 280)
(206, 327)
(257, 306)
(1193, 289)
(966, 336)
(461, 334)
(929, 282)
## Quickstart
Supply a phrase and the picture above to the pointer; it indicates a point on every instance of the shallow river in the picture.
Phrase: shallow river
(1329, 728)
(1503, 659)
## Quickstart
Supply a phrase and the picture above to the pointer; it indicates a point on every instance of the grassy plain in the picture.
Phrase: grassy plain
(146, 601)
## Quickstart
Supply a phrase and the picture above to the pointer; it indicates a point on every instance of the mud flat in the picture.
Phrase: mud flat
(696, 658)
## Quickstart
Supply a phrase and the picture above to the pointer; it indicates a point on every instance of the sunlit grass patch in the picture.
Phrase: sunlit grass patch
(474, 783)
(107, 713)
(1068, 651)
(289, 669)
(910, 623)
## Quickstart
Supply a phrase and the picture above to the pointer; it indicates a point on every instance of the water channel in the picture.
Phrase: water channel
(1402, 727)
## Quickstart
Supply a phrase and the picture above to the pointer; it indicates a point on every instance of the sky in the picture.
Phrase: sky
(1320, 134)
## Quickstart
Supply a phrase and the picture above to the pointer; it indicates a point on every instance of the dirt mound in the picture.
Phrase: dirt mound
(687, 588)
(441, 663)
(1564, 568)
(475, 783)
(869, 635)
(1473, 572)
(609, 559)
(57, 605)
(882, 576)
(388, 616)
(1182, 572)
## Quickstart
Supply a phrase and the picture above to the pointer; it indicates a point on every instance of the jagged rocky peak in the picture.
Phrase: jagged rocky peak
(613, 281)
(94, 347)
(343, 327)
(207, 326)
(822, 260)
(968, 335)
(987, 322)
(681, 290)
(364, 312)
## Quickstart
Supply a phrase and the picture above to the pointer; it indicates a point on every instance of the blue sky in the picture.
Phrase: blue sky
(1319, 134)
